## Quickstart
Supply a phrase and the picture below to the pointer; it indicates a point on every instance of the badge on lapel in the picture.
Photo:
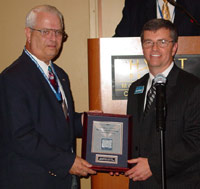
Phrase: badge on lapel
(139, 90)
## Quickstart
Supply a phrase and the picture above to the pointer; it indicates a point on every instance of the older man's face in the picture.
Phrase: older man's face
(42, 45)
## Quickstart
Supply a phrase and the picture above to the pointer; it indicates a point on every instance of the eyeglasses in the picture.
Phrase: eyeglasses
(46, 32)
(162, 43)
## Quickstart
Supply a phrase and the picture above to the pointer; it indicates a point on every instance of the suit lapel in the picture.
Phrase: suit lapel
(171, 82)
(141, 104)
(141, 98)
(65, 85)
(170, 87)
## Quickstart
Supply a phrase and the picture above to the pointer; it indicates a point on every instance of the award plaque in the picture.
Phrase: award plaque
(106, 141)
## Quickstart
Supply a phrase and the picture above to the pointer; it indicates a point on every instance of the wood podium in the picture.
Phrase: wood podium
(101, 86)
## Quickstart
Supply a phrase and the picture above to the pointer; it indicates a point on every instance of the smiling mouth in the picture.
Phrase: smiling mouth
(52, 46)
(155, 55)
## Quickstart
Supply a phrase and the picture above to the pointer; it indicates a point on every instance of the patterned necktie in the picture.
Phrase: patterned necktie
(52, 79)
(54, 83)
(151, 94)
(65, 110)
(165, 10)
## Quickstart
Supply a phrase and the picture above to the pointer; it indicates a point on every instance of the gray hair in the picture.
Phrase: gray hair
(32, 14)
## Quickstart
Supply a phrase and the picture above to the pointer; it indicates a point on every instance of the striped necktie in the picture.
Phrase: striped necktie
(54, 83)
(52, 79)
(65, 110)
(165, 10)
(151, 94)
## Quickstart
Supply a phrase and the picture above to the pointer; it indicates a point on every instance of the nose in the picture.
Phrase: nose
(155, 46)
(52, 35)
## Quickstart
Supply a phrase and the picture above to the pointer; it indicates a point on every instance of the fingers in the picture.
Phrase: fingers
(134, 174)
(81, 167)
(132, 161)
(111, 173)
(87, 167)
(114, 173)
(130, 173)
(85, 163)
(141, 171)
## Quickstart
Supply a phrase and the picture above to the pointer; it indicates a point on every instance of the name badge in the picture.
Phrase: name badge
(139, 90)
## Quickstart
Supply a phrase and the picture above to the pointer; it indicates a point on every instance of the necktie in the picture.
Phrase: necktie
(165, 10)
(151, 94)
(52, 79)
(65, 110)
(54, 83)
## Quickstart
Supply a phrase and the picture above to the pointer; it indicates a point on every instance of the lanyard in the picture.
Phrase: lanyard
(57, 93)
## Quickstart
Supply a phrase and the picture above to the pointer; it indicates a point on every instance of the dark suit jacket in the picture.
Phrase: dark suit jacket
(36, 138)
(182, 135)
(137, 12)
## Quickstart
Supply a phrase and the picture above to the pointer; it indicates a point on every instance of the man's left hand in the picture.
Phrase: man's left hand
(141, 171)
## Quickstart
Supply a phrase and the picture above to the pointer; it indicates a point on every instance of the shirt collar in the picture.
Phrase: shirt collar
(151, 77)
(42, 64)
(171, 9)
(165, 73)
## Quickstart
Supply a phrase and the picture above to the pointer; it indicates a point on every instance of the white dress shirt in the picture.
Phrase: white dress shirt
(44, 67)
(171, 10)
(151, 77)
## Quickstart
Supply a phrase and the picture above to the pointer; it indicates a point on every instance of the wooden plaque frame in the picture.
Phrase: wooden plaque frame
(107, 160)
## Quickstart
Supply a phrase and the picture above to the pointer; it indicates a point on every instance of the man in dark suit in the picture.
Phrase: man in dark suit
(40, 123)
(182, 134)
(137, 12)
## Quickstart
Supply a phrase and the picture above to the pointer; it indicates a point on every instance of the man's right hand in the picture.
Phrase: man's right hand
(81, 167)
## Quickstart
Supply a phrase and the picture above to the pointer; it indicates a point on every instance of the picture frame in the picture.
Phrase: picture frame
(106, 141)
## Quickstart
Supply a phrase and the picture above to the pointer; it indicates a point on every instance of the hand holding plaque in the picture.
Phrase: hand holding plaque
(106, 142)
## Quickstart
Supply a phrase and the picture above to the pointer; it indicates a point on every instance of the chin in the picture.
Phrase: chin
(154, 64)
(52, 53)
(51, 56)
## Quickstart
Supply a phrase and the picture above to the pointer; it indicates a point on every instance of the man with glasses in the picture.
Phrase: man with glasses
(182, 134)
(41, 125)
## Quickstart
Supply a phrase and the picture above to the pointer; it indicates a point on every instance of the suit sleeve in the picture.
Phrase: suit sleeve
(27, 141)
(123, 28)
(185, 153)
(78, 125)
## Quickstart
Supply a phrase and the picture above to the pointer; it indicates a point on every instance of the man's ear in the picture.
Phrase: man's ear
(174, 49)
(28, 34)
